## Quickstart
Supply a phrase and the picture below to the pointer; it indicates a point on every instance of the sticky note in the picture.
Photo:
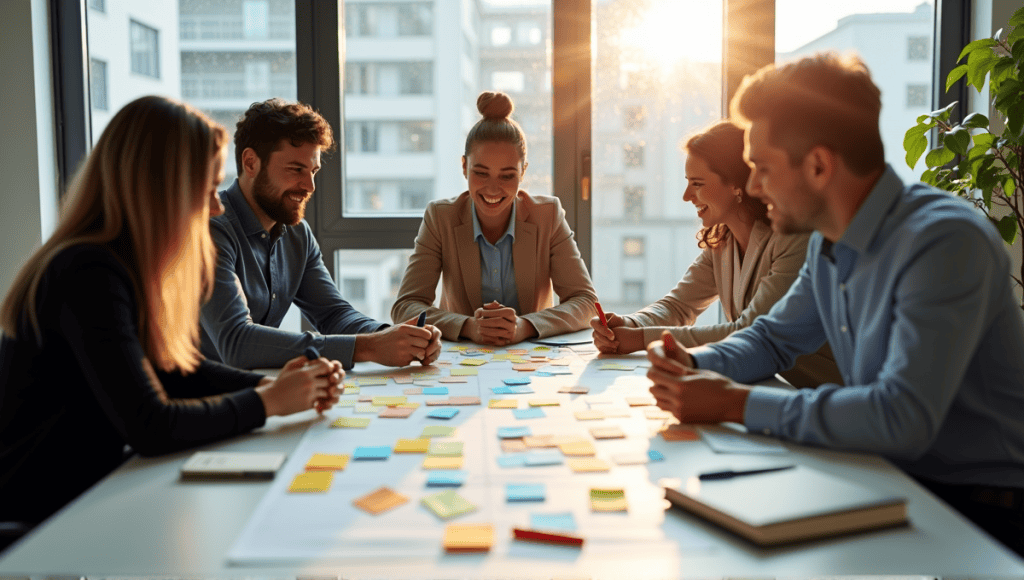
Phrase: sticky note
(464, 401)
(513, 445)
(327, 462)
(525, 492)
(513, 432)
(680, 433)
(639, 401)
(380, 500)
(556, 371)
(517, 351)
(630, 458)
(396, 412)
(447, 478)
(656, 455)
(351, 389)
(424, 382)
(556, 521)
(607, 433)
(445, 448)
(473, 362)
(580, 447)
(312, 482)
(502, 404)
(435, 390)
(517, 381)
(560, 362)
(532, 413)
(616, 367)
(449, 380)
(541, 348)
(447, 504)
(388, 401)
(516, 460)
(589, 415)
(443, 413)
(463, 372)
(371, 452)
(413, 391)
(538, 458)
(366, 408)
(544, 402)
(468, 538)
(607, 500)
(575, 390)
(616, 412)
(365, 398)
(345, 403)
(372, 381)
(351, 422)
(500, 357)
(587, 464)
(436, 462)
(540, 441)
(420, 445)
(403, 380)
(408, 405)
(526, 367)
(657, 414)
(513, 390)
(437, 431)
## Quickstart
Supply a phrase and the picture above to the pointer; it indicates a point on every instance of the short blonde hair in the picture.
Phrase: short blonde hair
(142, 193)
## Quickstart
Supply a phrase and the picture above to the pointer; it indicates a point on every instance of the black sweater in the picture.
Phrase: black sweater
(70, 402)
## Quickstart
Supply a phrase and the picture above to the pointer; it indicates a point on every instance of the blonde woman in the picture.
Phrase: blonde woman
(500, 252)
(101, 325)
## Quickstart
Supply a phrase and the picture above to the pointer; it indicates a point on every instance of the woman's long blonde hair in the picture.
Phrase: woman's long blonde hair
(143, 193)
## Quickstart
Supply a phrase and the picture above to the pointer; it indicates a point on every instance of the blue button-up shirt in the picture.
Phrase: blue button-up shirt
(497, 272)
(259, 275)
(916, 302)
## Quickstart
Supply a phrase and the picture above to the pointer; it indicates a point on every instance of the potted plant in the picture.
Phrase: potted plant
(982, 159)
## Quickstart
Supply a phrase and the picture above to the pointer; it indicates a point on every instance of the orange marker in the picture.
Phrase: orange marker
(600, 313)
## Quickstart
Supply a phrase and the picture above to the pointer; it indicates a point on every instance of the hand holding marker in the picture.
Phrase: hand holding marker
(600, 313)
(313, 354)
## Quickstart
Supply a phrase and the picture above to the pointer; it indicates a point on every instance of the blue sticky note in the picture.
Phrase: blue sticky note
(524, 492)
(435, 390)
(655, 455)
(445, 413)
(559, 521)
(502, 390)
(531, 413)
(542, 374)
(447, 478)
(382, 452)
(517, 381)
(514, 432)
(544, 458)
(520, 390)
(512, 460)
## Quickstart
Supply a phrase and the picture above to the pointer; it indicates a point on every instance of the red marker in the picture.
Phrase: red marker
(548, 537)
(600, 313)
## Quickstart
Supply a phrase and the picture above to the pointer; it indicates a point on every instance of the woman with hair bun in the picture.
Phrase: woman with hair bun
(744, 264)
(500, 252)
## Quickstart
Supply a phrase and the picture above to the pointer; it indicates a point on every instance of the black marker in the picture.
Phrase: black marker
(313, 354)
(422, 320)
(729, 474)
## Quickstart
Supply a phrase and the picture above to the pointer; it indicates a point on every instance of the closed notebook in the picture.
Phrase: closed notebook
(789, 506)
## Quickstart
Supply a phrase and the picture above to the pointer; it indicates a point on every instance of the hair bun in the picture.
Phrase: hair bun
(494, 105)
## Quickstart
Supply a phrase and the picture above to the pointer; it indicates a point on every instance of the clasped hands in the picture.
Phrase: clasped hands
(302, 384)
(496, 324)
(692, 395)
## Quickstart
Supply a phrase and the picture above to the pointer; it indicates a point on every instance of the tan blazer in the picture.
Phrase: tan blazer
(544, 256)
(748, 287)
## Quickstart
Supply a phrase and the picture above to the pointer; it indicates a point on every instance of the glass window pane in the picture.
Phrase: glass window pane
(655, 84)
(893, 37)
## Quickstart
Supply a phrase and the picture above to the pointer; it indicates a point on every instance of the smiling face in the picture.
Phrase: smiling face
(494, 171)
(282, 187)
(715, 200)
(793, 206)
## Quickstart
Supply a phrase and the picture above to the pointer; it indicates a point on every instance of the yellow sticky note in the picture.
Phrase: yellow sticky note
(388, 401)
(657, 414)
(500, 357)
(372, 381)
(351, 422)
(327, 461)
(578, 447)
(420, 445)
(312, 482)
(463, 372)
(468, 538)
(351, 389)
(607, 433)
(432, 462)
(587, 464)
(544, 402)
(503, 404)
(608, 500)
(589, 415)
(473, 362)
(639, 401)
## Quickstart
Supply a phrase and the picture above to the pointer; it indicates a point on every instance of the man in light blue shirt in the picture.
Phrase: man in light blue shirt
(908, 284)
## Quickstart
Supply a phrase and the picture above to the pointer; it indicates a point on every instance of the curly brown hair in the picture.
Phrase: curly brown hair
(266, 123)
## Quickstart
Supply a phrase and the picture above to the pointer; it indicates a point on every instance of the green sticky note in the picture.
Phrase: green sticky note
(437, 431)
(445, 449)
(447, 504)
(351, 422)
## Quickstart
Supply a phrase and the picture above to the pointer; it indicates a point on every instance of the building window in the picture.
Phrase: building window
(633, 208)
(634, 154)
(633, 247)
(355, 289)
(416, 78)
(415, 19)
(528, 33)
(501, 35)
(98, 84)
(145, 47)
(416, 137)
(635, 117)
(362, 136)
(918, 48)
(360, 79)
(361, 20)
(508, 81)
(414, 194)
(633, 291)
(99, 6)
(917, 96)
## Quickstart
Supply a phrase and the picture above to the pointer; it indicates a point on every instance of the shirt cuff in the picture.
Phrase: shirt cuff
(339, 347)
(707, 359)
(763, 411)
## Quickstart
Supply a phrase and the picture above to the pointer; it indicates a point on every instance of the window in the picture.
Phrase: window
(416, 78)
(633, 291)
(501, 35)
(145, 50)
(255, 19)
(416, 19)
(98, 5)
(354, 289)
(917, 95)
(98, 84)
(635, 117)
(361, 20)
(413, 195)
(362, 136)
(918, 47)
(360, 79)
(508, 81)
(416, 137)
(528, 33)
(633, 154)
(633, 247)
(634, 203)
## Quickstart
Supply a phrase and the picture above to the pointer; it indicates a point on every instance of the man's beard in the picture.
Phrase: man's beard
(275, 206)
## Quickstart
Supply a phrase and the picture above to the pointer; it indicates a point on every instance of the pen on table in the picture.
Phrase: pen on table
(729, 474)
(312, 354)
(600, 313)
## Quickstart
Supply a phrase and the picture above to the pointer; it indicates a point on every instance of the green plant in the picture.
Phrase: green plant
(979, 159)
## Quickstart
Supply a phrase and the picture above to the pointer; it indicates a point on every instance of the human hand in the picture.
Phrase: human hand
(699, 396)
(335, 376)
(618, 337)
(434, 348)
(661, 352)
(494, 324)
(397, 345)
(301, 384)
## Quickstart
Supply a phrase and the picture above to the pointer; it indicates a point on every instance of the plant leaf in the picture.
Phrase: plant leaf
(958, 140)
(984, 139)
(939, 156)
(979, 63)
(975, 45)
(1015, 35)
(1008, 229)
(1018, 17)
(1009, 93)
(1009, 186)
(975, 121)
(1015, 118)
(1017, 46)
(915, 146)
(955, 75)
(943, 113)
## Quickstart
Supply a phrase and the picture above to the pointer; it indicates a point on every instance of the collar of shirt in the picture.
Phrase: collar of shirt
(510, 231)
(251, 225)
(866, 223)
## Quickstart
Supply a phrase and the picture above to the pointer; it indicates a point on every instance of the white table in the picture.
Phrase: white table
(143, 521)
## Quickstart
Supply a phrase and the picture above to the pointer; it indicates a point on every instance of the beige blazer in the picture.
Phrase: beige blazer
(544, 256)
(748, 287)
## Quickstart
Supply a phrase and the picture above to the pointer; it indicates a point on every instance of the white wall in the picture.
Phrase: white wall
(27, 151)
